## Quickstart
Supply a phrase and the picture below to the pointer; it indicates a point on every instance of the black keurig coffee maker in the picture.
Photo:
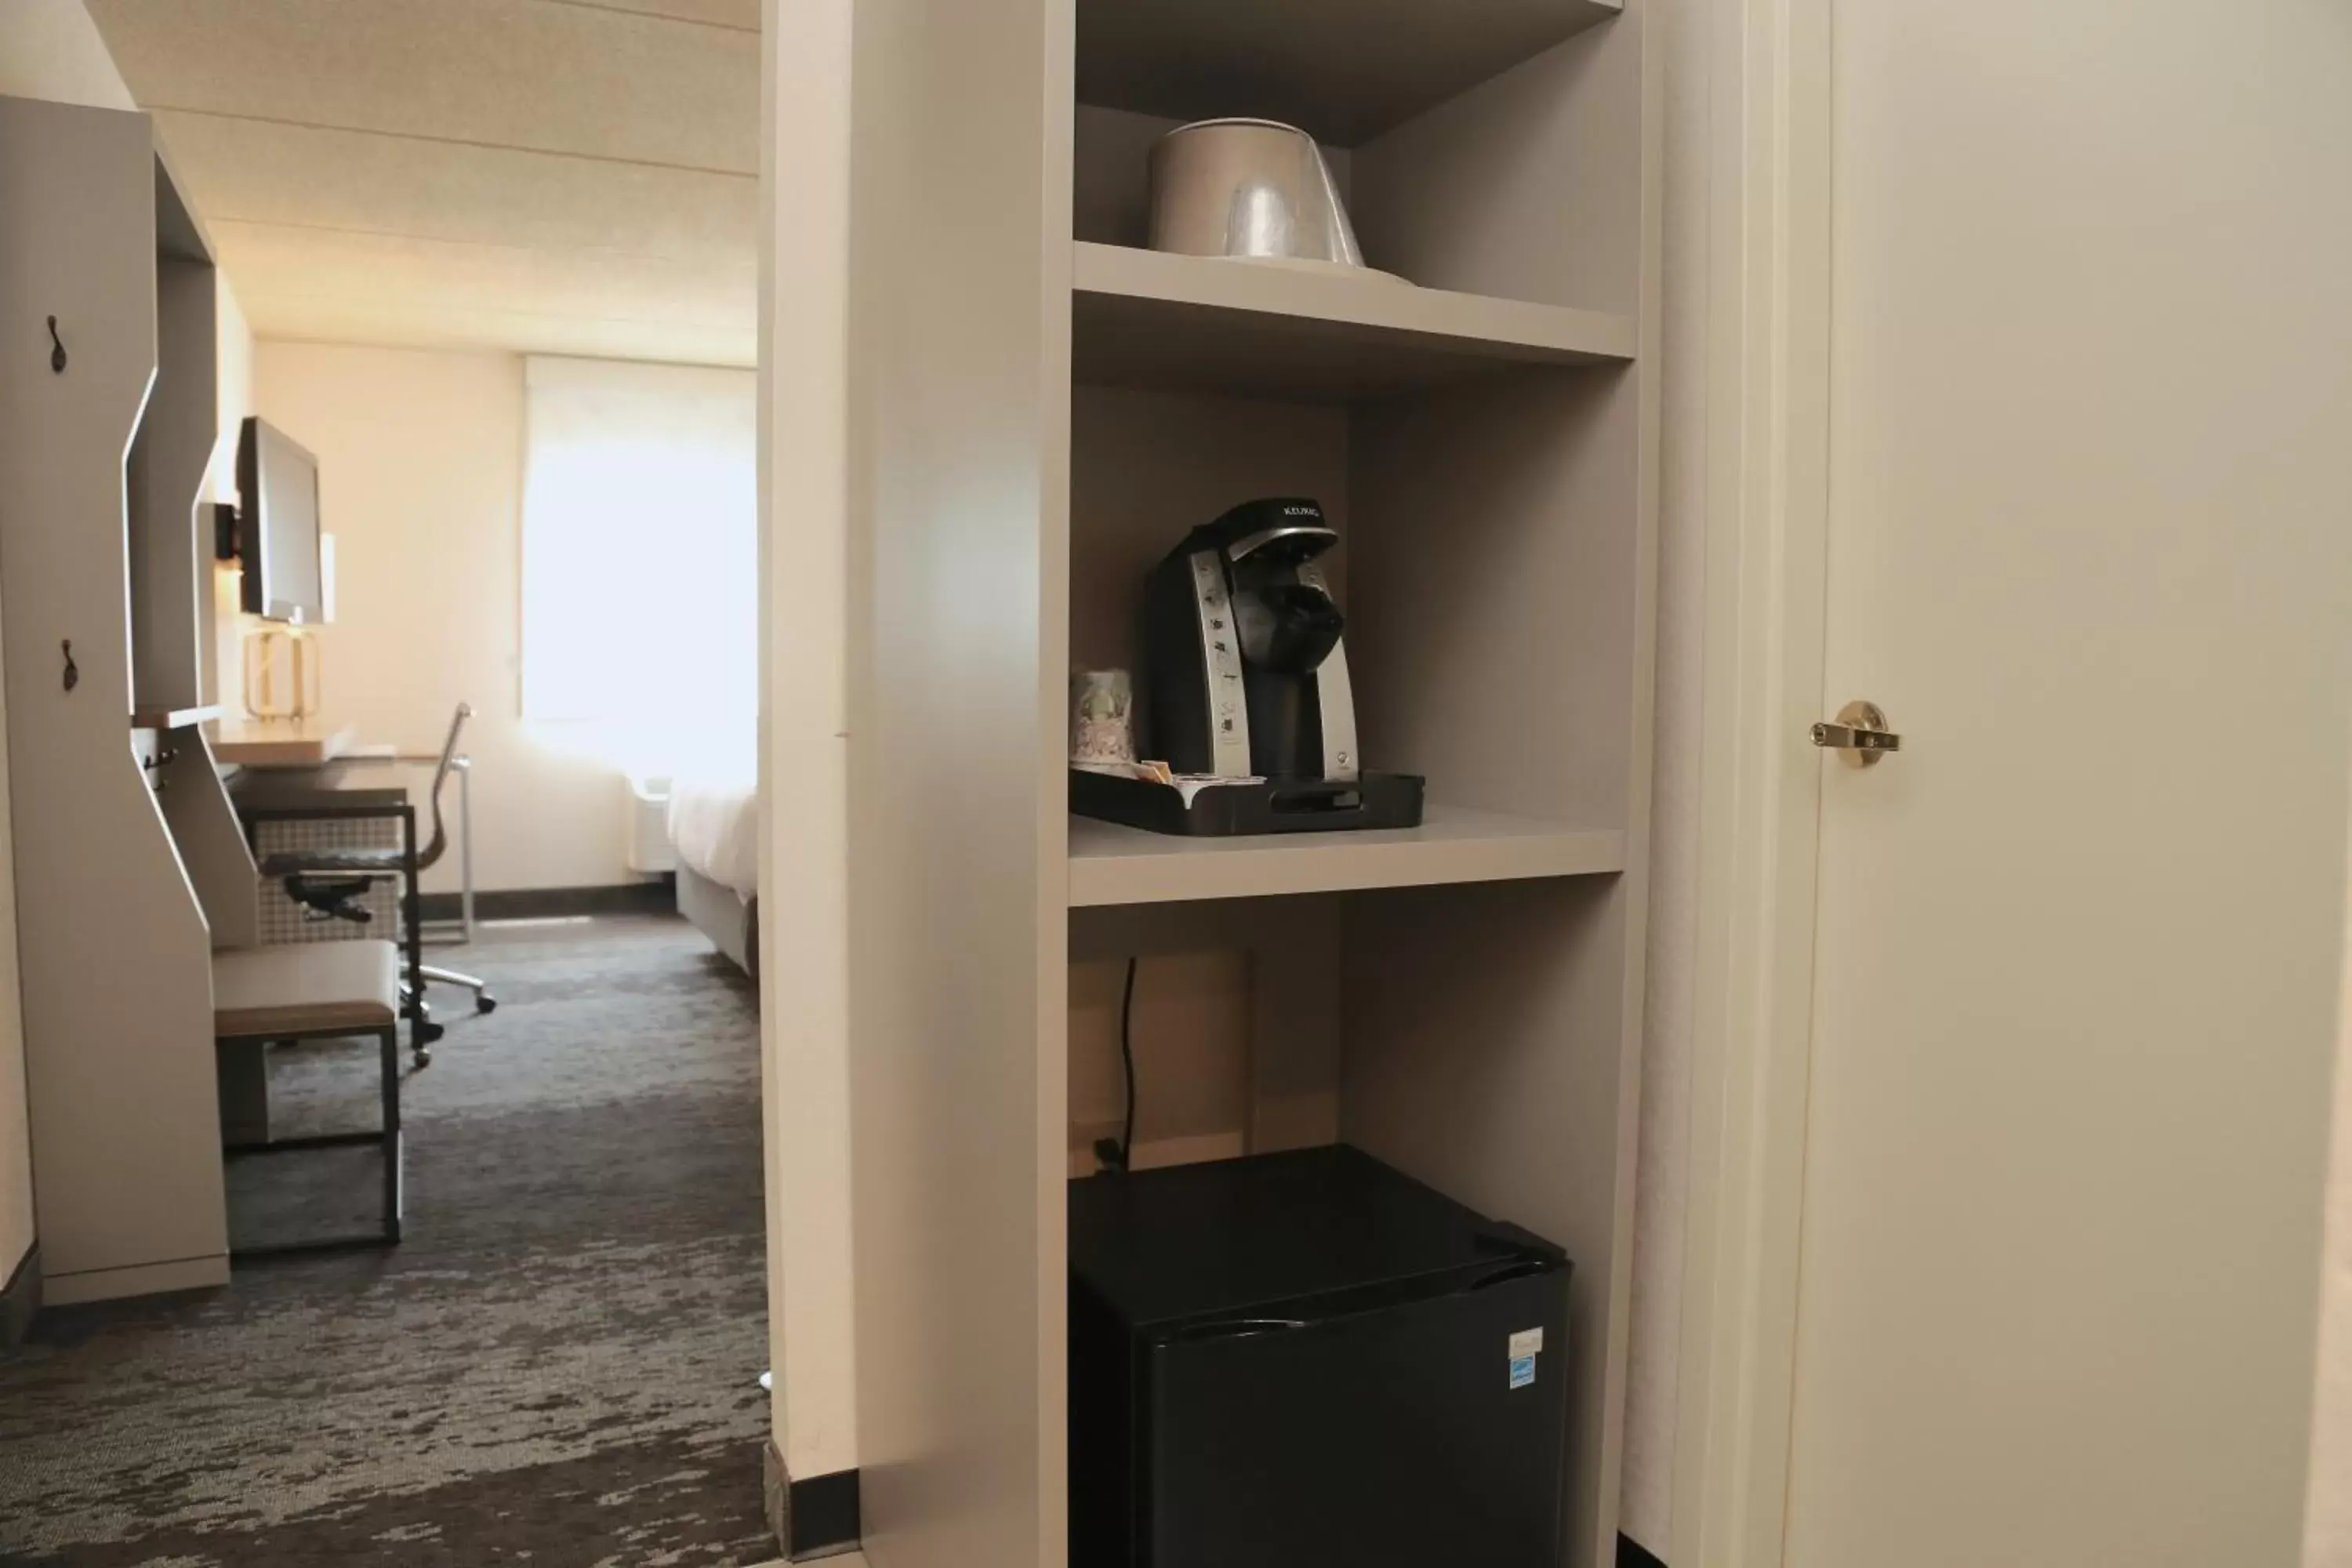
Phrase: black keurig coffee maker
(1247, 672)
(1248, 677)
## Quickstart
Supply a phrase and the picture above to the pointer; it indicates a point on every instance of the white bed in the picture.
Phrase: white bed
(714, 826)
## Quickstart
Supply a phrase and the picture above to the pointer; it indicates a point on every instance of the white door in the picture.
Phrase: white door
(2079, 940)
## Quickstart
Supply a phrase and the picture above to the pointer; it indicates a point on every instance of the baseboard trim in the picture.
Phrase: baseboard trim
(658, 896)
(135, 1280)
(1632, 1554)
(814, 1518)
(20, 1299)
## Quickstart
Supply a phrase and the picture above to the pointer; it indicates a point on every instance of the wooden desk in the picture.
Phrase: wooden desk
(307, 745)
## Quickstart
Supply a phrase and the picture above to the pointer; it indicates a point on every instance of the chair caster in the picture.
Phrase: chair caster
(427, 1032)
(486, 1003)
(422, 1056)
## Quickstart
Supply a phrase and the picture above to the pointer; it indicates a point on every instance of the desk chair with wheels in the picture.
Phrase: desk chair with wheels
(330, 883)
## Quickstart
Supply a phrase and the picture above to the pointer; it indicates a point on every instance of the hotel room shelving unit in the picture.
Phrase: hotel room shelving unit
(1039, 409)
(128, 866)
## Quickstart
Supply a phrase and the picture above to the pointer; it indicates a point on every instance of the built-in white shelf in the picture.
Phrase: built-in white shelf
(1110, 864)
(1346, 69)
(1144, 318)
(173, 718)
(1487, 446)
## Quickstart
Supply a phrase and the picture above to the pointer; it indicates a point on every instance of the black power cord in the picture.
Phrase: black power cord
(1118, 1154)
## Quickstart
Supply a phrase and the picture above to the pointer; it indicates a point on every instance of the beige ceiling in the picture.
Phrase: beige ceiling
(551, 176)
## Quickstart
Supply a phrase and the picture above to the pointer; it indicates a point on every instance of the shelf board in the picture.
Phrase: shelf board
(1345, 69)
(1144, 318)
(173, 718)
(1110, 864)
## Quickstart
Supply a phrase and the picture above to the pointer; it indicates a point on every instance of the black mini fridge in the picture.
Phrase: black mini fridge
(1309, 1360)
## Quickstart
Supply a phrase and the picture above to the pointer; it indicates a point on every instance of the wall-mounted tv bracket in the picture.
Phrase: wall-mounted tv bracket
(224, 531)
(56, 348)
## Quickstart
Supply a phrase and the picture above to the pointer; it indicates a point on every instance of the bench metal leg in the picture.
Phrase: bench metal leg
(386, 1137)
(393, 1195)
(241, 1072)
(421, 1030)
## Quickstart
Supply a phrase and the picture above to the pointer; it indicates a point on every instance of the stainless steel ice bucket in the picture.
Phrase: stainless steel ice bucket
(1249, 188)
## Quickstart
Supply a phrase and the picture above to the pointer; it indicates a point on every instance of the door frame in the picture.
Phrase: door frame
(1766, 550)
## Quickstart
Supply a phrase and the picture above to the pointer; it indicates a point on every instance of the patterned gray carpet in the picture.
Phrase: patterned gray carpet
(557, 1366)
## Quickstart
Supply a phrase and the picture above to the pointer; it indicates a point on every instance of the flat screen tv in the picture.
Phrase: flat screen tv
(278, 526)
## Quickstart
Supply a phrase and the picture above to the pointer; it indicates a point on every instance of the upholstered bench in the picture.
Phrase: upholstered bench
(317, 991)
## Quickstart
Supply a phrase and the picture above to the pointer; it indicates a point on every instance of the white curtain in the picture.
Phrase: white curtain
(640, 553)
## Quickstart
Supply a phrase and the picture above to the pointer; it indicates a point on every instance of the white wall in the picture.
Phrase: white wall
(219, 678)
(1661, 1191)
(234, 360)
(2327, 1536)
(804, 753)
(421, 466)
(48, 49)
(16, 1226)
(51, 49)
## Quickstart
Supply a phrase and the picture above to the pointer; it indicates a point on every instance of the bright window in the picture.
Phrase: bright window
(640, 557)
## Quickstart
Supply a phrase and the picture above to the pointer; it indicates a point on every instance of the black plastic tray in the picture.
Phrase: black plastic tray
(1224, 811)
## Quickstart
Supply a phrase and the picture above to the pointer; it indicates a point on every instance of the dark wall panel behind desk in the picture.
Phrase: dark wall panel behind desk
(656, 896)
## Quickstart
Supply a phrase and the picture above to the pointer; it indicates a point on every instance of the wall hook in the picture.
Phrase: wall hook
(56, 348)
(73, 670)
